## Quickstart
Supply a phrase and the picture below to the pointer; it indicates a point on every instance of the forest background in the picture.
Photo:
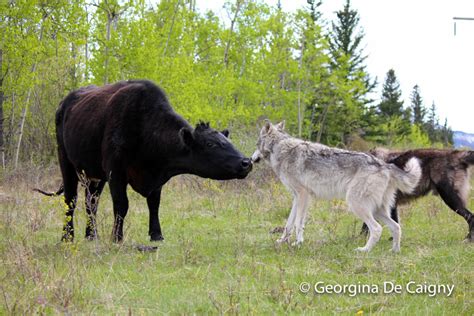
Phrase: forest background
(262, 62)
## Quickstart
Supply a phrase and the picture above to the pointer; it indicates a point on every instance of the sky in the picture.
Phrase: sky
(415, 38)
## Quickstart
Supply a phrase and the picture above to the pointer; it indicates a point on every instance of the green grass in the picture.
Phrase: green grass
(219, 257)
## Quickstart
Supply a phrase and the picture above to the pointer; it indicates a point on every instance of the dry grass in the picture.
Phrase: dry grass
(218, 256)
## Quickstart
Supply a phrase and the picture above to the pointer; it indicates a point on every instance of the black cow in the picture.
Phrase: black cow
(127, 133)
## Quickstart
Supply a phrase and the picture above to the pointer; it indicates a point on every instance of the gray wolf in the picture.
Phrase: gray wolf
(368, 184)
(128, 133)
(445, 172)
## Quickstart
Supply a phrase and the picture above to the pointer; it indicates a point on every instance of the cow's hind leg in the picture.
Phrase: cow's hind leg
(70, 181)
(93, 191)
(118, 190)
(456, 203)
(153, 202)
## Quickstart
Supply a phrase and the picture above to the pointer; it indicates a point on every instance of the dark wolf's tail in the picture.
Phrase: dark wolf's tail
(468, 157)
(57, 193)
(407, 179)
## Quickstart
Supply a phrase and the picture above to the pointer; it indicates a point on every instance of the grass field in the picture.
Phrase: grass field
(219, 257)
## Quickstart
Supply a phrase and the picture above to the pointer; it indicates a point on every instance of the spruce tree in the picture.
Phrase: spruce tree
(391, 105)
(346, 51)
(418, 110)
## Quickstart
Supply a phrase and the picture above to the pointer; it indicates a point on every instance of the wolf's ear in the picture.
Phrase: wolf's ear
(267, 126)
(280, 126)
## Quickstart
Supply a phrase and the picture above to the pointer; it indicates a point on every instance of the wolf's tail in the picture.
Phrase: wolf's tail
(468, 157)
(58, 192)
(407, 179)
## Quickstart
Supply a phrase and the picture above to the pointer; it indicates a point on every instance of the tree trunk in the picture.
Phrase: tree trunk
(322, 121)
(2, 143)
(22, 122)
(300, 114)
(232, 25)
(176, 7)
(25, 106)
(107, 40)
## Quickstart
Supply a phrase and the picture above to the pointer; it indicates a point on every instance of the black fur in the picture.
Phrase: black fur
(127, 133)
(444, 172)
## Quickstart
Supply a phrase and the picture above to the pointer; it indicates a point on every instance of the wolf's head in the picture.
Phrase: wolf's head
(269, 135)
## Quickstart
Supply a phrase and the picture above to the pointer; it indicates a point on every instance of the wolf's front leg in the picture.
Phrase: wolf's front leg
(290, 223)
(302, 209)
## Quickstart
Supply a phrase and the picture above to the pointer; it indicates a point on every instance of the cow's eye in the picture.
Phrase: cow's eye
(210, 145)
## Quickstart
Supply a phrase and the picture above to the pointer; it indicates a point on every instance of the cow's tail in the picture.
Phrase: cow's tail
(407, 179)
(468, 157)
(57, 193)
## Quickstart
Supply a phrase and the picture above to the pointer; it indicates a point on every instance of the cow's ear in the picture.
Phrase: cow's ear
(186, 136)
(280, 126)
(225, 133)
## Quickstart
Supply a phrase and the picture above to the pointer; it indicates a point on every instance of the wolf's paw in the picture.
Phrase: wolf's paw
(395, 249)
(282, 240)
(297, 243)
(362, 249)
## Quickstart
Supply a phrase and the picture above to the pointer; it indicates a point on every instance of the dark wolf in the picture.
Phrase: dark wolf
(444, 173)
(128, 134)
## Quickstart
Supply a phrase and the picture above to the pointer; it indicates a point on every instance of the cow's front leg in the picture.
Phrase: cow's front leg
(118, 190)
(153, 201)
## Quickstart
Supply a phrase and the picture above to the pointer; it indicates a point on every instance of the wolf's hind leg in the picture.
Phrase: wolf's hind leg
(394, 228)
(375, 231)
(365, 213)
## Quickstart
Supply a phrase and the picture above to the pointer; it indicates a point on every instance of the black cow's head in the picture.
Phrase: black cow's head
(212, 154)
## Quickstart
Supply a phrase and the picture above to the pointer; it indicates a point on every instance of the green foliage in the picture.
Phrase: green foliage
(262, 62)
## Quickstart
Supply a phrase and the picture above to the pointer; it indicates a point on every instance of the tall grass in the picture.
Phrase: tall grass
(219, 256)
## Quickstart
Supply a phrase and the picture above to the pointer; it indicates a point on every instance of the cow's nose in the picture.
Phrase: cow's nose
(246, 163)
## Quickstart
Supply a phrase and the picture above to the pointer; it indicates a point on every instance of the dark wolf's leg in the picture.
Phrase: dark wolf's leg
(93, 191)
(455, 202)
(394, 213)
(70, 181)
(153, 202)
(118, 190)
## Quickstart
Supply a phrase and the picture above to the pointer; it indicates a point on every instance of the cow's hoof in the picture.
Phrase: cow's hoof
(156, 237)
(117, 239)
(67, 238)
(361, 249)
(91, 237)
